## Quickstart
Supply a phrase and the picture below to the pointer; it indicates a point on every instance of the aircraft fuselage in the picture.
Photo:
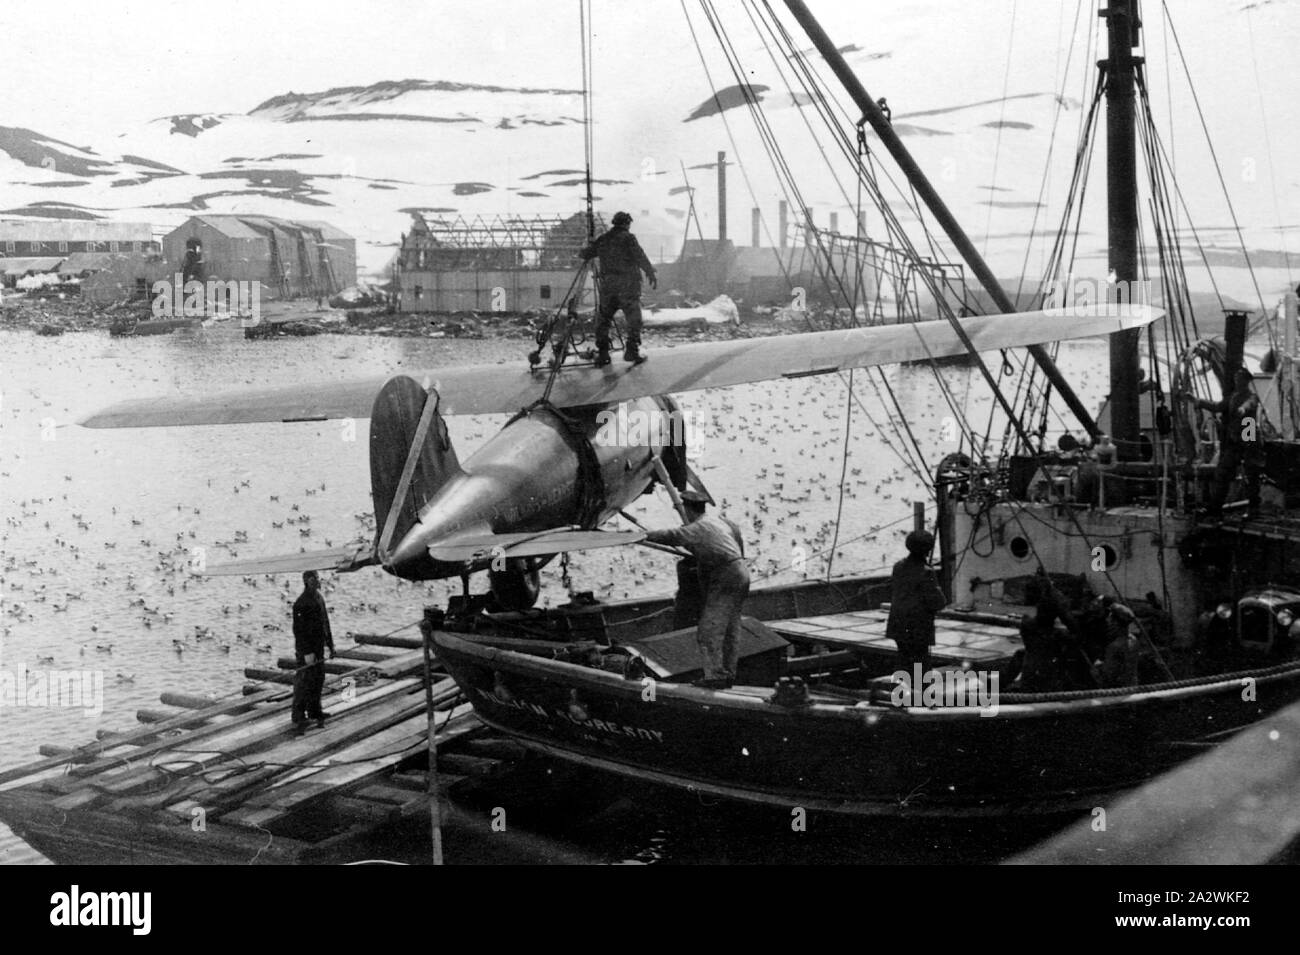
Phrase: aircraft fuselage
(544, 469)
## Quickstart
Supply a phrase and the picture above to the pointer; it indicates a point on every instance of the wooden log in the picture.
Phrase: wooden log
(96, 751)
(147, 715)
(402, 740)
(268, 676)
(388, 640)
(106, 837)
(284, 762)
(370, 656)
(357, 763)
(382, 792)
(277, 700)
(465, 764)
(49, 749)
(238, 737)
(186, 701)
(363, 810)
(331, 666)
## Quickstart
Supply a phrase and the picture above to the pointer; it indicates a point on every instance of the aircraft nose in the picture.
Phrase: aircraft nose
(411, 553)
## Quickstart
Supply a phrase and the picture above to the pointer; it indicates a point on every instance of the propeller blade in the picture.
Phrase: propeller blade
(483, 547)
(339, 559)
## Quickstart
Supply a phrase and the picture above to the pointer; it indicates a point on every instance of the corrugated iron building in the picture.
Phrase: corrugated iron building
(45, 237)
(289, 257)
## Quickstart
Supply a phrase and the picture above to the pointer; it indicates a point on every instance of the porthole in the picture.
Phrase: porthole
(1019, 547)
(1109, 554)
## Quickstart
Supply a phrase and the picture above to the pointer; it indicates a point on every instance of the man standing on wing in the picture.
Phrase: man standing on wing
(622, 260)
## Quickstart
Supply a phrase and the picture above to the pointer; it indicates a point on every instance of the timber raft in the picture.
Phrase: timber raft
(217, 781)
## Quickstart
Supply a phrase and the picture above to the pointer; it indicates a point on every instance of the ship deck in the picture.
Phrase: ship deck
(957, 637)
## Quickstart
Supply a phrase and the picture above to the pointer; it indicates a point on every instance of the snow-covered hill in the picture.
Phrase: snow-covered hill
(978, 114)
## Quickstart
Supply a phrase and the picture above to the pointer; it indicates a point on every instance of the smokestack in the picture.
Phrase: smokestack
(722, 196)
(756, 222)
(783, 219)
(835, 222)
(1234, 345)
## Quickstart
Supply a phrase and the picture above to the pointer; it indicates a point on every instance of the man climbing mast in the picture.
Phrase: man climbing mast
(622, 260)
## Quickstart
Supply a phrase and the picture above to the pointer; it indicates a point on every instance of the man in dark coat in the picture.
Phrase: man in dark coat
(914, 599)
(311, 636)
(622, 260)
(1242, 444)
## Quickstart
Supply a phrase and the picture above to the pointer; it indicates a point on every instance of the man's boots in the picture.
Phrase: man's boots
(632, 353)
(602, 353)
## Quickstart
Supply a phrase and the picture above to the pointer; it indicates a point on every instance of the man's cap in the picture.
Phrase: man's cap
(622, 218)
(919, 542)
(695, 497)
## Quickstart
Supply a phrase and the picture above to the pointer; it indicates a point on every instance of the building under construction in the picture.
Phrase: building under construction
(491, 264)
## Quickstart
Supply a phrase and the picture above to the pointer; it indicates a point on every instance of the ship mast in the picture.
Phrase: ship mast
(871, 112)
(1123, 26)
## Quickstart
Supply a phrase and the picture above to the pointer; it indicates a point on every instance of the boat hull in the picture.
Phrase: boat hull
(856, 758)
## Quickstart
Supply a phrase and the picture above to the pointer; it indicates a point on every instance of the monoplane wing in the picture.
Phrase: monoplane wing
(483, 547)
(502, 389)
(338, 559)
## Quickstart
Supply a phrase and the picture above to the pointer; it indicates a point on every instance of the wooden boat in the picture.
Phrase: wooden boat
(608, 687)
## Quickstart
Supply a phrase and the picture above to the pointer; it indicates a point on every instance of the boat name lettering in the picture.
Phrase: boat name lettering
(605, 726)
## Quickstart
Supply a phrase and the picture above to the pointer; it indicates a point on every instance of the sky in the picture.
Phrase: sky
(102, 64)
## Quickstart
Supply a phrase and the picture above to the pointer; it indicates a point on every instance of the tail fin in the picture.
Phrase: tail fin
(408, 439)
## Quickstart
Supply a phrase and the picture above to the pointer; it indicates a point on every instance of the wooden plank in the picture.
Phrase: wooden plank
(279, 801)
(466, 764)
(263, 675)
(222, 747)
(363, 810)
(290, 798)
(387, 640)
(331, 666)
(276, 700)
(392, 795)
(341, 741)
(95, 751)
(370, 656)
(819, 662)
(187, 701)
(1236, 805)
